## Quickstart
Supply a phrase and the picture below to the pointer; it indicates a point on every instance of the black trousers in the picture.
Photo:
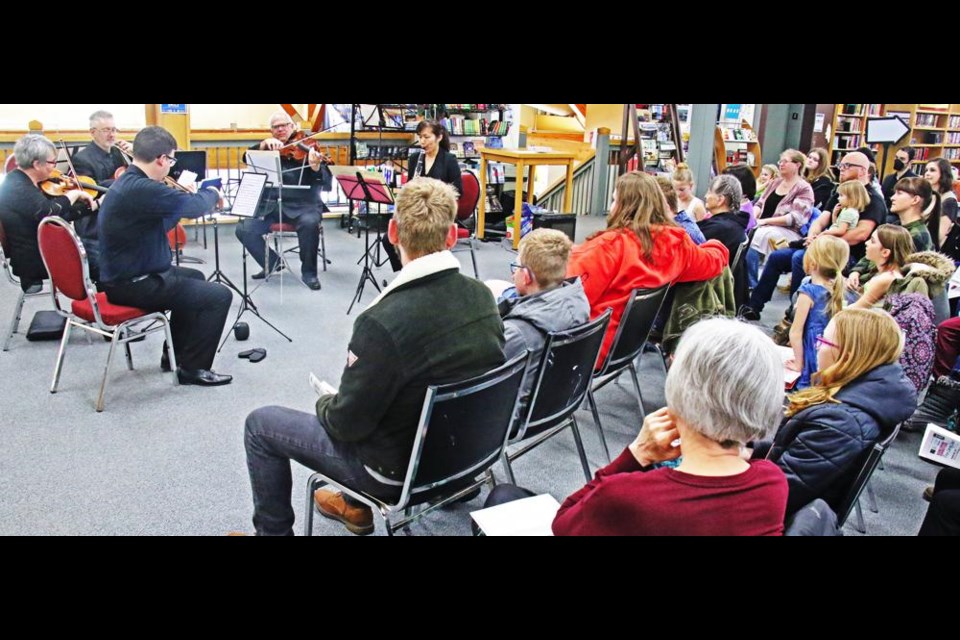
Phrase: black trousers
(943, 515)
(198, 310)
(251, 232)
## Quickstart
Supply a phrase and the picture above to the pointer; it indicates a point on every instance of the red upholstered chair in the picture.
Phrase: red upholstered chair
(288, 230)
(66, 262)
(21, 298)
(466, 207)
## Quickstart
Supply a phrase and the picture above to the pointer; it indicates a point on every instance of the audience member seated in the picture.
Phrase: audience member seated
(682, 218)
(682, 179)
(859, 394)
(713, 491)
(943, 514)
(748, 186)
(727, 223)
(432, 325)
(887, 248)
(23, 205)
(641, 248)
(767, 174)
(819, 176)
(943, 395)
(547, 302)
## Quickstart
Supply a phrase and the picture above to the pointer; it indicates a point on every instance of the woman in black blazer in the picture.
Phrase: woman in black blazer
(434, 160)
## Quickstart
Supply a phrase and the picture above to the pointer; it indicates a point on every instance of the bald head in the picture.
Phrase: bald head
(855, 166)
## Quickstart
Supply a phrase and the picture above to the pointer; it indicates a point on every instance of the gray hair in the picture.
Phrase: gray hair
(728, 187)
(100, 115)
(32, 148)
(726, 381)
(281, 116)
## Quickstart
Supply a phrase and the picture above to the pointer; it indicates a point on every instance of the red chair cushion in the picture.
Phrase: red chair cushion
(112, 314)
(285, 227)
(463, 233)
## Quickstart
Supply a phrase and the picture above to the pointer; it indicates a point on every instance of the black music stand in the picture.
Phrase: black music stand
(369, 187)
(245, 205)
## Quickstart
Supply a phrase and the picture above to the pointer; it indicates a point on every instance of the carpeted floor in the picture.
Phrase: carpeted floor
(169, 460)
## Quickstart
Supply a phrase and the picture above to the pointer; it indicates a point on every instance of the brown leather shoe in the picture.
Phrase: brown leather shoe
(928, 493)
(331, 504)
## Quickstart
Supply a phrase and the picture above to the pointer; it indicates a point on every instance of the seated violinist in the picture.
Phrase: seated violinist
(98, 160)
(23, 205)
(301, 207)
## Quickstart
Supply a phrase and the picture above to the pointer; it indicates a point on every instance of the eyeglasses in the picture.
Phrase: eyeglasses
(820, 340)
(846, 165)
(53, 162)
(515, 266)
(107, 130)
(173, 161)
(282, 125)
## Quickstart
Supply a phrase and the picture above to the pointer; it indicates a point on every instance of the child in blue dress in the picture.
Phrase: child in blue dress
(818, 299)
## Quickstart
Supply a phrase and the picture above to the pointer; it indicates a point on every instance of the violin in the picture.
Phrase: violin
(59, 184)
(298, 148)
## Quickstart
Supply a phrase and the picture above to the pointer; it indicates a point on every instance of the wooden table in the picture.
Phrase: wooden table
(521, 158)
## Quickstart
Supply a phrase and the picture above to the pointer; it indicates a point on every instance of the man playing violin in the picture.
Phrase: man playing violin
(135, 256)
(99, 160)
(23, 205)
(301, 207)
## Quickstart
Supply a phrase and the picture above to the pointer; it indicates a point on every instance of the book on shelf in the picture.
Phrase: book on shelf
(469, 148)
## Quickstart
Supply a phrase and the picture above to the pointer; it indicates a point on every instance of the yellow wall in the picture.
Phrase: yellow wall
(558, 123)
(222, 116)
(606, 115)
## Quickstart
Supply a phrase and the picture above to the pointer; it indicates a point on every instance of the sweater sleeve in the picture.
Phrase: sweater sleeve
(799, 206)
(575, 510)
(597, 262)
(703, 262)
(370, 382)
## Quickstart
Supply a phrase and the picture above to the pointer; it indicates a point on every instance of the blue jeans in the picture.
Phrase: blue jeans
(273, 436)
(753, 267)
(778, 262)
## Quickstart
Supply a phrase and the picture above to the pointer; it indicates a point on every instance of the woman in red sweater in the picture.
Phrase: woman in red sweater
(724, 389)
(640, 248)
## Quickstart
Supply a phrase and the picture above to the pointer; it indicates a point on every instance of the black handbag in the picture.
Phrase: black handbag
(46, 325)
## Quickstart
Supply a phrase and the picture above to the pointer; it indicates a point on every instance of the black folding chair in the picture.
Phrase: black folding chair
(463, 429)
(563, 376)
(638, 317)
(861, 482)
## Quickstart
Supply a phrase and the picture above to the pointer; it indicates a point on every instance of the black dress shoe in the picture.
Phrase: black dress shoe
(202, 377)
(313, 283)
(263, 274)
(748, 313)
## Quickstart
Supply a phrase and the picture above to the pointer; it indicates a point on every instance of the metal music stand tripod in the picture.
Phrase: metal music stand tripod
(369, 187)
(244, 206)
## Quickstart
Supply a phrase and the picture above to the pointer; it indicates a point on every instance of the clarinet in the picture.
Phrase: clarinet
(418, 170)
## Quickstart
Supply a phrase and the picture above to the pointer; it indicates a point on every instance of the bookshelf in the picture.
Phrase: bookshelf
(661, 139)
(737, 144)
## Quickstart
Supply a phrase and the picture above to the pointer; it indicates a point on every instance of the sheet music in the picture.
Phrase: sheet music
(248, 194)
(525, 517)
(265, 162)
(187, 178)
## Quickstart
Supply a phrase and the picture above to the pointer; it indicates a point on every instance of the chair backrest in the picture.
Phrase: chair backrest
(563, 375)
(65, 258)
(464, 427)
(742, 251)
(635, 324)
(4, 256)
(470, 196)
(863, 477)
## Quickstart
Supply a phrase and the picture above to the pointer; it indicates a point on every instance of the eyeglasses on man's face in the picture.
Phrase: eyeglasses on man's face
(170, 159)
(846, 165)
(106, 130)
(281, 125)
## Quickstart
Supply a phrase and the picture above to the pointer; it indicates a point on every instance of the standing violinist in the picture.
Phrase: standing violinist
(99, 160)
(23, 205)
(301, 207)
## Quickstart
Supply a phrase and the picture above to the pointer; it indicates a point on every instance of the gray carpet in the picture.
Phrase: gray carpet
(169, 460)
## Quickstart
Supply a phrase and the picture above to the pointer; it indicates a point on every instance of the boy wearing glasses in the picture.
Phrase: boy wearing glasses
(99, 160)
(547, 302)
(301, 207)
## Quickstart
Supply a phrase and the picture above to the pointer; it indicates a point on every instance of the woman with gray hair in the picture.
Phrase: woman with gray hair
(723, 390)
(727, 222)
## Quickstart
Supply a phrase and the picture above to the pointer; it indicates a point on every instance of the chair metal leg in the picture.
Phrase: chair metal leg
(58, 367)
(473, 256)
(860, 526)
(871, 498)
(15, 321)
(308, 510)
(636, 385)
(126, 346)
(596, 418)
(170, 354)
(106, 371)
(583, 456)
(323, 249)
(507, 469)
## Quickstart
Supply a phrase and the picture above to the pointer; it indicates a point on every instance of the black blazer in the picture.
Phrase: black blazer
(445, 168)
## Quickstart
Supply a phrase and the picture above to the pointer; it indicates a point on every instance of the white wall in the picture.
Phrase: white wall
(69, 116)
